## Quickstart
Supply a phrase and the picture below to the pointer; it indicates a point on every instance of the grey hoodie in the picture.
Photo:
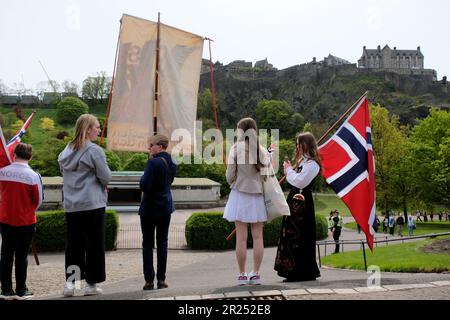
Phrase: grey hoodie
(86, 175)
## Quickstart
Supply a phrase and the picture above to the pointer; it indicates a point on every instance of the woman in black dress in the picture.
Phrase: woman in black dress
(296, 254)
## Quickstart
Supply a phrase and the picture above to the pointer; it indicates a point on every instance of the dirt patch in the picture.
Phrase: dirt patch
(441, 246)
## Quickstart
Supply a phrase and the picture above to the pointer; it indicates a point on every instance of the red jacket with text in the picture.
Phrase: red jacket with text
(20, 194)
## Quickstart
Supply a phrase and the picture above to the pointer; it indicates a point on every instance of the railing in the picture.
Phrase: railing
(130, 237)
(363, 243)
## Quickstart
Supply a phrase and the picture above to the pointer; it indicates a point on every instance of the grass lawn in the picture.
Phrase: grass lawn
(406, 257)
(324, 203)
(37, 136)
(421, 228)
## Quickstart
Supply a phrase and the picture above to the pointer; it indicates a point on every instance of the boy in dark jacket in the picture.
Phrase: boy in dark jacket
(156, 209)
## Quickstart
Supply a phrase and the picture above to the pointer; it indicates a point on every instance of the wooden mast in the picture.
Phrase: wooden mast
(156, 97)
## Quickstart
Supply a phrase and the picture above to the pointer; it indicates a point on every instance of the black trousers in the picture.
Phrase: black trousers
(85, 247)
(16, 241)
(336, 235)
(148, 226)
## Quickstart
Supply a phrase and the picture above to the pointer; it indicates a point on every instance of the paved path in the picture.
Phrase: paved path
(199, 273)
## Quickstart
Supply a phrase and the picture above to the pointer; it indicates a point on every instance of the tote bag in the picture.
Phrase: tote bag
(276, 205)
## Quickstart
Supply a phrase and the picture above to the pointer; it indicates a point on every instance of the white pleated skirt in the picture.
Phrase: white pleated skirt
(245, 207)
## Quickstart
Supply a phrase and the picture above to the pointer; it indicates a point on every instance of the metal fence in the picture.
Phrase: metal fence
(130, 237)
(363, 243)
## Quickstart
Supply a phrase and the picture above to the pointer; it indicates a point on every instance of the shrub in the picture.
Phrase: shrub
(321, 227)
(47, 123)
(69, 109)
(51, 230)
(215, 172)
(45, 161)
(208, 230)
(113, 160)
(62, 134)
(137, 162)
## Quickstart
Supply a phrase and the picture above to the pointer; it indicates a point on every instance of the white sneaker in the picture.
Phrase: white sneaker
(92, 289)
(69, 289)
(254, 278)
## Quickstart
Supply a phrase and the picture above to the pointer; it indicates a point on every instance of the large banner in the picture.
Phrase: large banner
(131, 116)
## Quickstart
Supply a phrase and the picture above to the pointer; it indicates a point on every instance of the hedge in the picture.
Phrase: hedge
(51, 230)
(208, 230)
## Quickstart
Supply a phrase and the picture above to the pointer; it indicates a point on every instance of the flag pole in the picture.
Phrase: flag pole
(345, 114)
(156, 97)
(230, 236)
(341, 118)
(108, 109)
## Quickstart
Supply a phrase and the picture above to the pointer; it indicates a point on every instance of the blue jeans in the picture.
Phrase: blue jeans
(148, 227)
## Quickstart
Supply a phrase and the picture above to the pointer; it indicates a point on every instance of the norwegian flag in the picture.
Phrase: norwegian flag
(18, 137)
(348, 166)
(5, 160)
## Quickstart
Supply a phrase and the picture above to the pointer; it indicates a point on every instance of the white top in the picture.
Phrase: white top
(303, 178)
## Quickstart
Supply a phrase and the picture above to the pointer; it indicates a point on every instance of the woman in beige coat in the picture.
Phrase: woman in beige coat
(245, 204)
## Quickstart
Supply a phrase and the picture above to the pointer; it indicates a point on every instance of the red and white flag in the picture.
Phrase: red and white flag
(5, 160)
(348, 166)
(18, 137)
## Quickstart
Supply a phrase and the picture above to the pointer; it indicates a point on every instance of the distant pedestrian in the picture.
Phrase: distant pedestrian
(419, 215)
(336, 229)
(411, 225)
(385, 222)
(376, 224)
(391, 224)
(400, 222)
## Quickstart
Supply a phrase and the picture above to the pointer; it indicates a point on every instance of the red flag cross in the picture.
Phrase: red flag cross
(348, 166)
(18, 137)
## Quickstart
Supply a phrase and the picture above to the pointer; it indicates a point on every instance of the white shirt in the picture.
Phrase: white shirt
(303, 178)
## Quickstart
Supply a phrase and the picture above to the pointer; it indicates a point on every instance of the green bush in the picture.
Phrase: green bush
(69, 109)
(321, 227)
(215, 172)
(137, 162)
(51, 230)
(113, 160)
(208, 230)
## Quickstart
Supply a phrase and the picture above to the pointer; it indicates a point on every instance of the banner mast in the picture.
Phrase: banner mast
(155, 104)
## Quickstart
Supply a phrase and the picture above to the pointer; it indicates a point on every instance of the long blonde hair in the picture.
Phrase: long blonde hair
(308, 145)
(84, 123)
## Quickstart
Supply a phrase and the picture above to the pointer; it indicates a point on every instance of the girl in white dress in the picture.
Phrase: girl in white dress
(246, 202)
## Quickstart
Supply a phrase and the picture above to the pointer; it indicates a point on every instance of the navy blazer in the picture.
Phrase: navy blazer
(155, 184)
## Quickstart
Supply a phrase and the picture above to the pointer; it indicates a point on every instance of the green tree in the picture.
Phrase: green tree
(96, 88)
(392, 162)
(278, 114)
(431, 143)
(69, 109)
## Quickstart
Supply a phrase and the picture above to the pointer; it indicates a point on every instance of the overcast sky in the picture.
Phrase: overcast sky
(76, 38)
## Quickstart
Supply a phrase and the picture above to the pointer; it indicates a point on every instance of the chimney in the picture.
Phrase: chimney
(418, 48)
(364, 48)
(379, 48)
(395, 48)
(314, 60)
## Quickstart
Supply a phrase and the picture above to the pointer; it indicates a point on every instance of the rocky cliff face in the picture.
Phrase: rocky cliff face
(321, 94)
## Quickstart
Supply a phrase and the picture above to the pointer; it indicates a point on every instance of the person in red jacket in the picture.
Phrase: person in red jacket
(20, 196)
